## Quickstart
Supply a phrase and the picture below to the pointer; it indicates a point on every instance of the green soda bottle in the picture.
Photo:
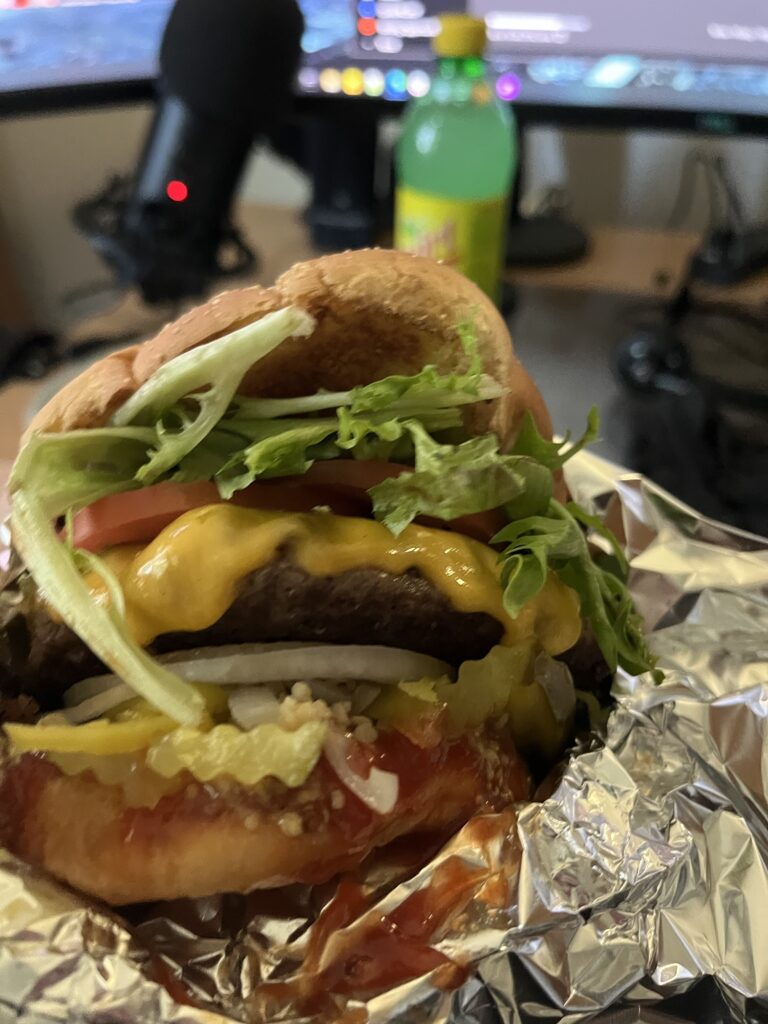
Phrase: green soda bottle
(456, 162)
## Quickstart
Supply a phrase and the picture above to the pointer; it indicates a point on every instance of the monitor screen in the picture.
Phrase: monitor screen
(63, 44)
(707, 56)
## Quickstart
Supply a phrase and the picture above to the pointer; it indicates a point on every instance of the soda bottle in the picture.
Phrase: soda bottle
(456, 161)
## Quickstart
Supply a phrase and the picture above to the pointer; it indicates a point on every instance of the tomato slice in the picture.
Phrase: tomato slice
(137, 517)
(355, 477)
(352, 474)
(298, 497)
(482, 526)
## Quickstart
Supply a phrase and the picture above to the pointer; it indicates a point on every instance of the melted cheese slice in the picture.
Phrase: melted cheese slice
(188, 577)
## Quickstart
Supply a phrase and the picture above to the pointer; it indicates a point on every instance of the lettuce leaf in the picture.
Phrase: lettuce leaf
(208, 458)
(282, 449)
(553, 454)
(356, 431)
(423, 392)
(356, 428)
(74, 469)
(456, 480)
(240, 451)
(556, 541)
(206, 378)
(413, 396)
(55, 572)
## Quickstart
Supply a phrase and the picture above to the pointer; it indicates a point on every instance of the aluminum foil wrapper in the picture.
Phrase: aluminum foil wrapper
(637, 891)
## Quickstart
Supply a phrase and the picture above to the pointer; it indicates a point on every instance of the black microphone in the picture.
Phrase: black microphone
(226, 75)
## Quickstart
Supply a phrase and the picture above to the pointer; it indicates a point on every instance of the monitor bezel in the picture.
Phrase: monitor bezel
(585, 116)
(82, 96)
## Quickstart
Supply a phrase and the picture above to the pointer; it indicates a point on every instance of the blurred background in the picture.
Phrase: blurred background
(145, 163)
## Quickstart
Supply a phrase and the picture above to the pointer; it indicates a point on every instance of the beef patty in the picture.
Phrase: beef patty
(278, 602)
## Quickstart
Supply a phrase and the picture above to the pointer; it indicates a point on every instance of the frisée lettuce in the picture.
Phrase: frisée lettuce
(206, 378)
(450, 481)
(399, 396)
(553, 454)
(543, 535)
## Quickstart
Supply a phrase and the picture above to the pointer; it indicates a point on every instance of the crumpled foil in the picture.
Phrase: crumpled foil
(636, 892)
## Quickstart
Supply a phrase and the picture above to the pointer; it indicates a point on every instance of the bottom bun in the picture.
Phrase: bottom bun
(205, 839)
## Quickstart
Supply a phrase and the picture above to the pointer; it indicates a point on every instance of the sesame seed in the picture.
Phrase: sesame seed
(340, 711)
(365, 732)
(301, 692)
(337, 800)
(291, 824)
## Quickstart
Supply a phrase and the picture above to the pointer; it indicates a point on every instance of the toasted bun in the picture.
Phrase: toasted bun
(378, 312)
(198, 842)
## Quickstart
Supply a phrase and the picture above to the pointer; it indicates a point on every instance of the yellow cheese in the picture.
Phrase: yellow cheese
(188, 577)
(100, 737)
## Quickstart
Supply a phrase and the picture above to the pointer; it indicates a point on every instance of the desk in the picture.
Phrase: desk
(642, 264)
(622, 261)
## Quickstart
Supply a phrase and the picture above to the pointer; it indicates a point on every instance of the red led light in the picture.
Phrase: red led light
(366, 26)
(177, 191)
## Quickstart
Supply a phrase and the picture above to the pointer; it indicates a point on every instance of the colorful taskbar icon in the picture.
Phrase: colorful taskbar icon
(393, 84)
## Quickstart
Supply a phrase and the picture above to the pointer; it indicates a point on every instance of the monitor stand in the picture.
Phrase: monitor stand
(544, 240)
(729, 256)
(340, 156)
(338, 149)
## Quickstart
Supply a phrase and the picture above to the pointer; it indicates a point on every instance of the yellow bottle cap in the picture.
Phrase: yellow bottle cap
(460, 36)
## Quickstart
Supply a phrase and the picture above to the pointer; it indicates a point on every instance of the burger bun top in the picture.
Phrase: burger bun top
(378, 313)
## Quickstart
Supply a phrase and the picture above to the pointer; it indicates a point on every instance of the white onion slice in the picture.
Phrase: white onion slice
(99, 704)
(363, 695)
(89, 688)
(252, 706)
(97, 684)
(379, 791)
(228, 650)
(313, 661)
(324, 689)
(255, 664)
(554, 677)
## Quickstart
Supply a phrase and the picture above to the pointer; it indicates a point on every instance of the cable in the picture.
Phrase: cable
(725, 211)
(736, 209)
(681, 208)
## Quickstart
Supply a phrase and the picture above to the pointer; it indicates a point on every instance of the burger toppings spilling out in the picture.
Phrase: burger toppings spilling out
(294, 579)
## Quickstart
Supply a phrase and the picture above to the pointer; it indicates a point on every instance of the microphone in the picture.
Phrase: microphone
(226, 77)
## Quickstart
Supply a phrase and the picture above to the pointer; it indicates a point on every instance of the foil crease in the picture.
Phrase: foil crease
(636, 892)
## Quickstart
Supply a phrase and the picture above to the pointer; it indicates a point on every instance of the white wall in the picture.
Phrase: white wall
(48, 163)
(632, 178)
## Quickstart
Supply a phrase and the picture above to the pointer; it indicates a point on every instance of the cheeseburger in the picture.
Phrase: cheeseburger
(291, 580)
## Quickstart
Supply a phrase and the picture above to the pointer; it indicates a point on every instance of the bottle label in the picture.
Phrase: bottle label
(467, 234)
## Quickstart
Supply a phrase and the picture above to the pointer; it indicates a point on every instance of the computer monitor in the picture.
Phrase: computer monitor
(661, 62)
(656, 62)
(70, 53)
